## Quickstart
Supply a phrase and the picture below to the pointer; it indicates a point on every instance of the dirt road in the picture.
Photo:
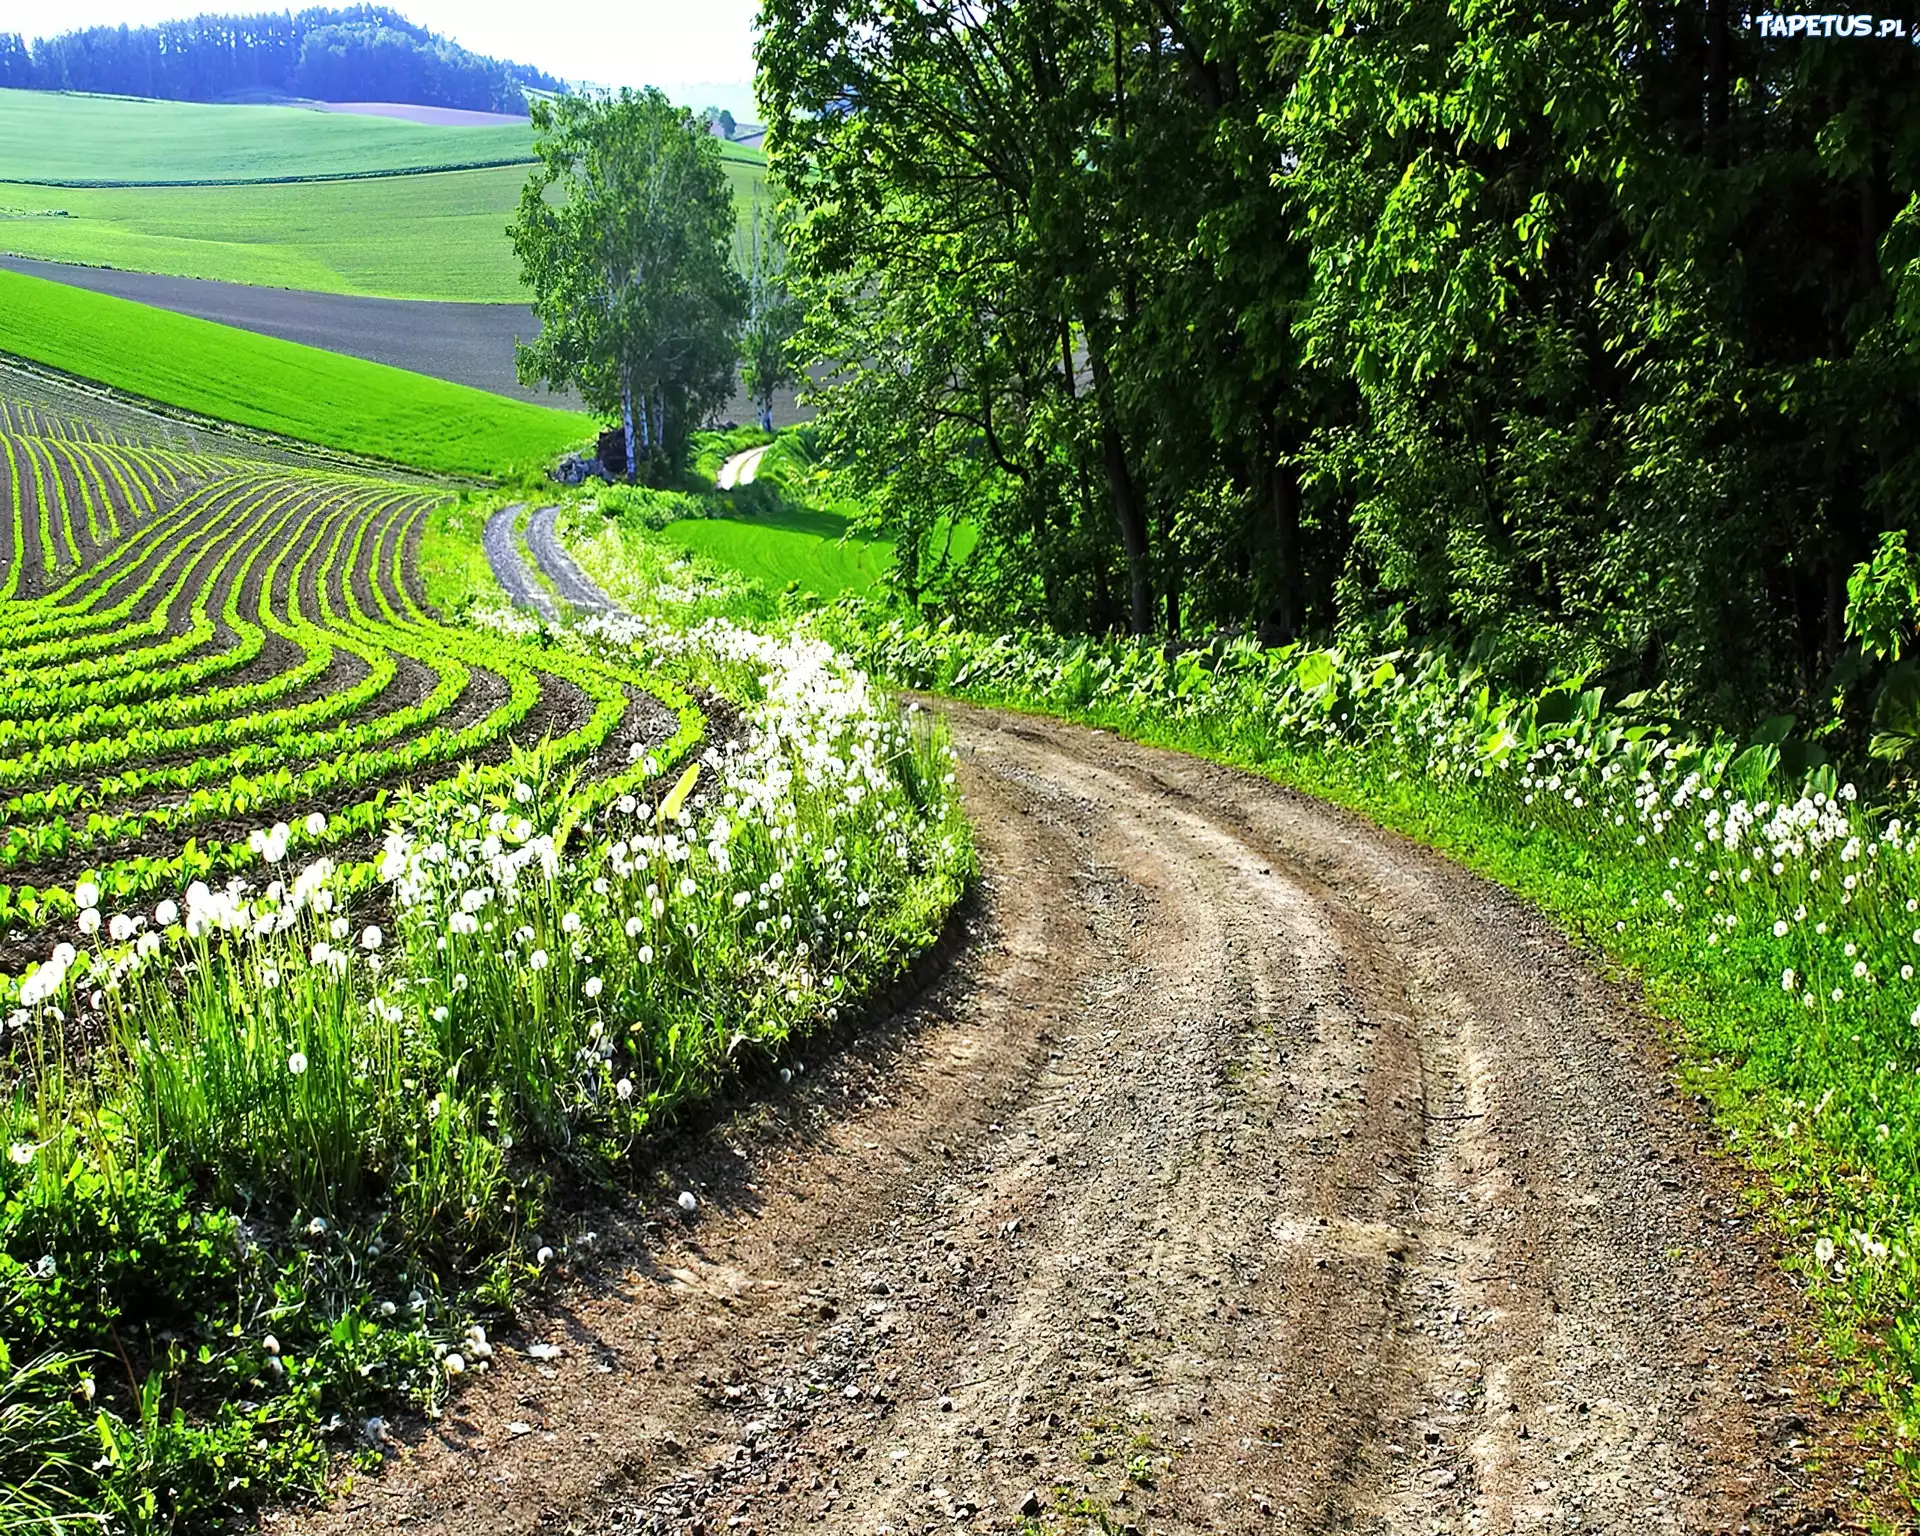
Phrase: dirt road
(1250, 1170)
(741, 469)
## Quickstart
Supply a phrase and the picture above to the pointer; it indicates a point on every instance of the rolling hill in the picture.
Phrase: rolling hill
(273, 196)
(278, 386)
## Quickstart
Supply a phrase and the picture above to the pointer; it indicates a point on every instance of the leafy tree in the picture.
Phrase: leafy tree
(1585, 337)
(773, 315)
(624, 235)
(1027, 305)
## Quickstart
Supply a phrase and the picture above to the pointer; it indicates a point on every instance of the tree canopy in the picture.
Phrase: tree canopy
(625, 234)
(773, 314)
(1586, 337)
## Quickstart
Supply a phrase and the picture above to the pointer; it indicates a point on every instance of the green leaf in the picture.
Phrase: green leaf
(677, 796)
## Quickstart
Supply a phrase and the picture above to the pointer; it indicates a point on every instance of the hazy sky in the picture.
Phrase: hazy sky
(699, 51)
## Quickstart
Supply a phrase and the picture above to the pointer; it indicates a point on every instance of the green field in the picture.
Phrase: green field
(56, 136)
(278, 386)
(802, 546)
(434, 236)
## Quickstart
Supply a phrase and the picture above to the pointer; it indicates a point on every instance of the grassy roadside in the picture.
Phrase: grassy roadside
(318, 1129)
(279, 386)
(1774, 921)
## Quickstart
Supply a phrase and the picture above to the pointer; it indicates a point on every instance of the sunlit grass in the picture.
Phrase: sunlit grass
(315, 396)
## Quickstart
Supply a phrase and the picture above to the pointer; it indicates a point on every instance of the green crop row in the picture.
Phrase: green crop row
(68, 497)
(224, 644)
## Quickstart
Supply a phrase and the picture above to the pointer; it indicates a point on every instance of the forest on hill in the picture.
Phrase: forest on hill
(357, 53)
(1585, 339)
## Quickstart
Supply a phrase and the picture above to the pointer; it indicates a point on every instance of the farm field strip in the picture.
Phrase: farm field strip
(29, 420)
(67, 500)
(191, 648)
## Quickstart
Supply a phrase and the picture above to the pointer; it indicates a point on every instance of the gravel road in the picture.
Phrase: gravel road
(1249, 1169)
(741, 469)
(507, 564)
(567, 578)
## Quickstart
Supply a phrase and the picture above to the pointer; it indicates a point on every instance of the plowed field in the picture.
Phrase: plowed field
(193, 647)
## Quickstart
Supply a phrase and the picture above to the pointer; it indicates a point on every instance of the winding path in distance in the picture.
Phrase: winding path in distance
(741, 469)
(1251, 1169)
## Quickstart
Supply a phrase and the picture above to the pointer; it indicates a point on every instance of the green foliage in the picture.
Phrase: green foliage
(1583, 337)
(792, 532)
(786, 548)
(623, 236)
(1031, 326)
(279, 386)
(1883, 598)
(773, 315)
(45, 1445)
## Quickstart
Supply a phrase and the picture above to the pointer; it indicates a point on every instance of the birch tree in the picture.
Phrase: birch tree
(624, 236)
(766, 361)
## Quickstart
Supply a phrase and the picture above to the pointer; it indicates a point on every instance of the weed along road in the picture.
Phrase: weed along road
(1245, 1169)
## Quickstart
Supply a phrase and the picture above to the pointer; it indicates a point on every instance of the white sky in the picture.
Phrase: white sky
(698, 51)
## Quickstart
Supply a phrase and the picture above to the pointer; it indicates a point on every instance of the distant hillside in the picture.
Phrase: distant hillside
(361, 53)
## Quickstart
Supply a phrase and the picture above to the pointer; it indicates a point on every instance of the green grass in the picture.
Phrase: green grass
(441, 236)
(436, 236)
(784, 545)
(278, 386)
(452, 562)
(56, 136)
(791, 529)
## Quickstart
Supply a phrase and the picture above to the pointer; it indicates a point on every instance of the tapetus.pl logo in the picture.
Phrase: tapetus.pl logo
(1768, 24)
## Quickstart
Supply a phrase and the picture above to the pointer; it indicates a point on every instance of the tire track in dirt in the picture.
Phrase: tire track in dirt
(509, 568)
(543, 539)
(1251, 1170)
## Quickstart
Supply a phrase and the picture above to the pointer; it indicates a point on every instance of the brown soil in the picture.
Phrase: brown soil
(1252, 1170)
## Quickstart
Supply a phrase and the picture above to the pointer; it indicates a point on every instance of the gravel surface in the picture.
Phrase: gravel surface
(509, 569)
(1251, 1170)
(568, 579)
(466, 343)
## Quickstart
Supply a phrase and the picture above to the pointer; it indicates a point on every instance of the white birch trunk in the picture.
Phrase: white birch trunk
(626, 414)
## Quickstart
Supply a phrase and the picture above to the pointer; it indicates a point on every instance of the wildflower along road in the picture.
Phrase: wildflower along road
(1251, 1170)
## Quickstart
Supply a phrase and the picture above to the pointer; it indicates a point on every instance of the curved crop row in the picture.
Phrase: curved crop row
(191, 648)
(67, 501)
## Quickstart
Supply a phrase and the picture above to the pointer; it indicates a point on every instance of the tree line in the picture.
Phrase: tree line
(360, 53)
(1587, 337)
